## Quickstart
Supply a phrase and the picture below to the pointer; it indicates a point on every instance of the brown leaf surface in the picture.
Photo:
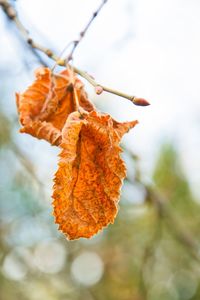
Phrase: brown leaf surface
(46, 104)
(89, 177)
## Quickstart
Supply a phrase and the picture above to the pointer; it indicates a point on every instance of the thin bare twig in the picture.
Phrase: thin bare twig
(12, 15)
(28, 166)
(83, 32)
(100, 88)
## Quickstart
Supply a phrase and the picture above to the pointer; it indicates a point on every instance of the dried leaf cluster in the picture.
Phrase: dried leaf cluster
(90, 171)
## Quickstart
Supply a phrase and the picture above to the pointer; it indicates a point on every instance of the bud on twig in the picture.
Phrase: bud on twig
(140, 101)
(98, 89)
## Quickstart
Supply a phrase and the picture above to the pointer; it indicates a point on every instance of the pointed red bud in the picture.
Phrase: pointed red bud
(140, 101)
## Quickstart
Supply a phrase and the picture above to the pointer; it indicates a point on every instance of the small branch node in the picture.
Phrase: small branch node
(98, 89)
(30, 41)
(49, 53)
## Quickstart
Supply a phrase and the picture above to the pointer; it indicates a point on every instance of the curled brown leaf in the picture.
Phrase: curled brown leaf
(47, 103)
(90, 173)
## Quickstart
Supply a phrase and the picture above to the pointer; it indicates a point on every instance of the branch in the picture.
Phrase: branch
(165, 213)
(176, 228)
(83, 32)
(12, 15)
(100, 88)
(28, 166)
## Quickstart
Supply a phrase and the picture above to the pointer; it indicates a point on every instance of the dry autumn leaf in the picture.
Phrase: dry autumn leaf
(44, 107)
(90, 173)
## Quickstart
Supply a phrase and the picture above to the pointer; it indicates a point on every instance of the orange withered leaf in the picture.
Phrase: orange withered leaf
(90, 173)
(45, 105)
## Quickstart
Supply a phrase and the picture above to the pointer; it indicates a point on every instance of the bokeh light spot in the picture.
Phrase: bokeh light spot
(87, 268)
(50, 256)
(13, 268)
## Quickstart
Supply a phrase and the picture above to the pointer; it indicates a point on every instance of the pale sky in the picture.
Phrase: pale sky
(147, 48)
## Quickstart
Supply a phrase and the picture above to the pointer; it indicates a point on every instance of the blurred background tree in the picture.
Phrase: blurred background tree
(151, 252)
